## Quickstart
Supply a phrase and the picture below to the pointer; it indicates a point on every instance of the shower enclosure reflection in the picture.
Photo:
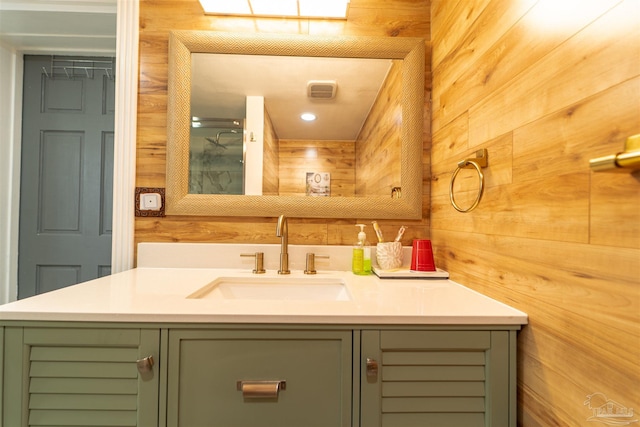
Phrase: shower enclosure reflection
(216, 156)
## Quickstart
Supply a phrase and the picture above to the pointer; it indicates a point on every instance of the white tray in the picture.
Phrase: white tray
(405, 273)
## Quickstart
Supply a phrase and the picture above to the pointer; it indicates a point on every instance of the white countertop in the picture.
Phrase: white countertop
(153, 294)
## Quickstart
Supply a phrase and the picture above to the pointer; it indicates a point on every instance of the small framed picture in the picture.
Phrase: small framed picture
(318, 184)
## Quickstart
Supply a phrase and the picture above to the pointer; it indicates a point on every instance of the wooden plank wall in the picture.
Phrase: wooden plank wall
(392, 18)
(297, 157)
(378, 144)
(544, 91)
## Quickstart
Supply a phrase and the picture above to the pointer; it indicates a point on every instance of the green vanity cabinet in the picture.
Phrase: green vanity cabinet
(75, 376)
(244, 378)
(222, 375)
(438, 378)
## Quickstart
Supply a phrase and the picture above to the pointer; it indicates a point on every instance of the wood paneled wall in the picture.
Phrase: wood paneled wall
(378, 144)
(392, 18)
(297, 157)
(545, 91)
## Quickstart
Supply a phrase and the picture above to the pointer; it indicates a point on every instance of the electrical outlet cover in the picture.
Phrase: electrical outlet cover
(149, 202)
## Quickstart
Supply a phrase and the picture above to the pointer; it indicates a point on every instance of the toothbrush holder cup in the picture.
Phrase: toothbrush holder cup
(389, 255)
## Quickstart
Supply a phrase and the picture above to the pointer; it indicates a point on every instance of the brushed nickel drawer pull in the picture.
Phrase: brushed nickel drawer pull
(261, 389)
(372, 367)
(145, 364)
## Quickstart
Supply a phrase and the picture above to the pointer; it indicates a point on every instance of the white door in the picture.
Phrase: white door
(66, 175)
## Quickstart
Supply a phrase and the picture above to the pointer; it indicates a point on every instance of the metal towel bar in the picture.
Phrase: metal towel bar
(627, 161)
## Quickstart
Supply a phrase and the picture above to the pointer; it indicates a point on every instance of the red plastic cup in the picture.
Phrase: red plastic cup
(422, 256)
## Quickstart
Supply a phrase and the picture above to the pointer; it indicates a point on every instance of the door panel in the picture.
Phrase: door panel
(60, 154)
(66, 194)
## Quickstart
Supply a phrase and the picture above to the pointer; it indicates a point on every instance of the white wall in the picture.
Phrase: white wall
(254, 146)
(10, 125)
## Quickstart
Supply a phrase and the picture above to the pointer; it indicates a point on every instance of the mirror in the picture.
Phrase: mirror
(406, 204)
(350, 98)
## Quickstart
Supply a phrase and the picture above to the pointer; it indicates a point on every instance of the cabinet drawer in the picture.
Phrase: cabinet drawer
(206, 366)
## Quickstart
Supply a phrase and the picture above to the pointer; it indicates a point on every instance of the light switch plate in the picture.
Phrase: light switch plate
(149, 202)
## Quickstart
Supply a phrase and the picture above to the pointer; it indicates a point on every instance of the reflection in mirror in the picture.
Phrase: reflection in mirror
(339, 92)
(205, 168)
(216, 156)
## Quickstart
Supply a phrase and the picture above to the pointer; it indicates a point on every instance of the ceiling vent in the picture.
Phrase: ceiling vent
(322, 89)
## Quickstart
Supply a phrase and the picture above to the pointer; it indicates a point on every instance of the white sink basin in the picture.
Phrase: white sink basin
(274, 288)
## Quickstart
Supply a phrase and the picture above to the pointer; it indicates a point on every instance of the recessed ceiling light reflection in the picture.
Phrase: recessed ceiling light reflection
(308, 117)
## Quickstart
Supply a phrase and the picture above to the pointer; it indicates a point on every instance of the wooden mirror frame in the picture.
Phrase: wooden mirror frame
(180, 202)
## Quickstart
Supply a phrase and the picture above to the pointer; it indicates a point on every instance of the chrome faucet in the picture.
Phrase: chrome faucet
(282, 231)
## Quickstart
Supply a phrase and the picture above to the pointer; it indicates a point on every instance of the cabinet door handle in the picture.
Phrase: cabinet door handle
(261, 389)
(145, 364)
(372, 367)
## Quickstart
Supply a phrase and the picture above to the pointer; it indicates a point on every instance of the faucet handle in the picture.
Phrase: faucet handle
(311, 262)
(259, 265)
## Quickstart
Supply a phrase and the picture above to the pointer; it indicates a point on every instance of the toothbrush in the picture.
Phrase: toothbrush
(376, 227)
(400, 233)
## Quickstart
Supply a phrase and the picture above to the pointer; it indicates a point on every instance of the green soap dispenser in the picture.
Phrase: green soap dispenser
(361, 261)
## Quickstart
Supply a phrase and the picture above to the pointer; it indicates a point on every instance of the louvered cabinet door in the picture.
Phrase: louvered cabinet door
(438, 378)
(79, 377)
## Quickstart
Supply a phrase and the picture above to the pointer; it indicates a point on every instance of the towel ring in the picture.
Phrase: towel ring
(479, 162)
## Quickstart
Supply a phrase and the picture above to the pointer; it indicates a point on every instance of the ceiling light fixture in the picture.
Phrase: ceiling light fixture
(308, 117)
(326, 9)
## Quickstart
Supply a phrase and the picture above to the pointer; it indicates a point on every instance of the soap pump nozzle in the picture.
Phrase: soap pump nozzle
(362, 236)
